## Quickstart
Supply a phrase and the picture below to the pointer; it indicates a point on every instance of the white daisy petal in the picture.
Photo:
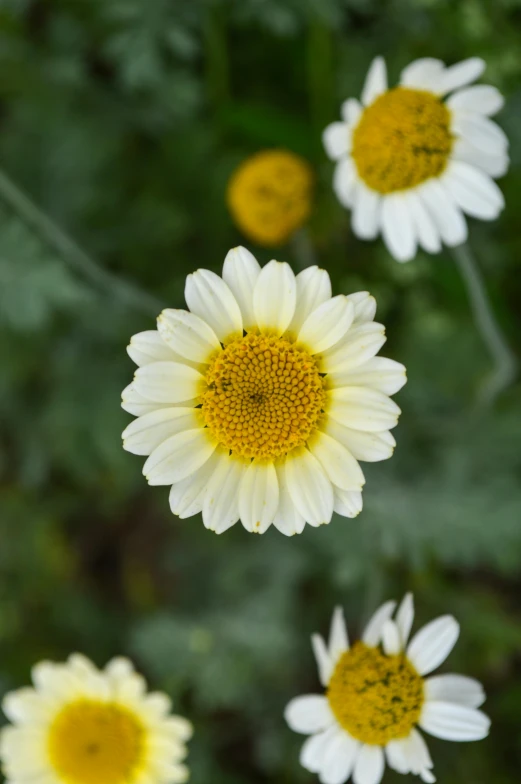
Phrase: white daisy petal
(188, 335)
(359, 345)
(347, 503)
(455, 688)
(339, 759)
(258, 496)
(312, 752)
(409, 755)
(481, 99)
(221, 499)
(137, 405)
(375, 81)
(365, 306)
(288, 519)
(179, 456)
(424, 227)
(187, 496)
(149, 346)
(313, 289)
(309, 713)
(365, 219)
(461, 74)
(446, 216)
(208, 296)
(274, 297)
(384, 375)
(309, 487)
(396, 755)
(472, 190)
(336, 140)
(324, 663)
(391, 641)
(405, 618)
(351, 111)
(345, 179)
(449, 721)
(432, 644)
(25, 706)
(373, 631)
(240, 272)
(340, 466)
(369, 766)
(168, 382)
(481, 132)
(496, 165)
(398, 229)
(144, 434)
(422, 73)
(370, 447)
(326, 325)
(362, 409)
(338, 641)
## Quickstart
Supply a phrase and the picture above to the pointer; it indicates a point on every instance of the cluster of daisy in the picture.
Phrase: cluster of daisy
(258, 403)
(80, 725)
(410, 161)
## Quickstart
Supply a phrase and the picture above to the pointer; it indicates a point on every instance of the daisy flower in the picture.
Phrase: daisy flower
(80, 725)
(269, 196)
(410, 163)
(258, 402)
(377, 695)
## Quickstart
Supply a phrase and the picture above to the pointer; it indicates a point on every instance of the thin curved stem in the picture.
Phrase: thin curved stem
(67, 248)
(504, 359)
(303, 249)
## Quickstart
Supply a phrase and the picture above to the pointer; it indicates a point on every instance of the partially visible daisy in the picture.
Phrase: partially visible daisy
(269, 196)
(377, 695)
(80, 725)
(410, 163)
(258, 402)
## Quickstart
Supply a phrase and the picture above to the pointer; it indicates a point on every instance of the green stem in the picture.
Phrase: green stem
(217, 64)
(320, 78)
(504, 359)
(303, 249)
(67, 248)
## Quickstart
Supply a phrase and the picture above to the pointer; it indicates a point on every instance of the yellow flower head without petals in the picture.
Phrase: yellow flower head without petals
(269, 196)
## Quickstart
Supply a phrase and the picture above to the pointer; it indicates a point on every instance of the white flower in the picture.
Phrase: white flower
(80, 725)
(409, 164)
(258, 402)
(377, 696)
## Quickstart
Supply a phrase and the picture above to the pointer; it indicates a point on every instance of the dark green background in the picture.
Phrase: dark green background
(122, 119)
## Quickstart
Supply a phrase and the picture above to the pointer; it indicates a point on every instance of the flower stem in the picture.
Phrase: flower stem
(303, 249)
(67, 248)
(504, 359)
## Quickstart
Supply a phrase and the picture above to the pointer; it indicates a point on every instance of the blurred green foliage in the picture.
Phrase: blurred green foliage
(122, 120)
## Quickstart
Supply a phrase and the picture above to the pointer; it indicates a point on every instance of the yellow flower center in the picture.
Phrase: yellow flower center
(402, 139)
(264, 396)
(93, 742)
(376, 698)
(269, 196)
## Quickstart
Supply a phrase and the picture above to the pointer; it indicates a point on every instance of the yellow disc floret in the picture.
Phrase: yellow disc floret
(269, 196)
(263, 396)
(376, 698)
(402, 139)
(92, 742)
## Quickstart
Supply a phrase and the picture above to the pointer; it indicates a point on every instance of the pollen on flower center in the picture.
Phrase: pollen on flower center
(402, 139)
(376, 698)
(263, 396)
(92, 742)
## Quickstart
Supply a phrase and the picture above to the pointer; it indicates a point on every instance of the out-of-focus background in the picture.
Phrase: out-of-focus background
(122, 120)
